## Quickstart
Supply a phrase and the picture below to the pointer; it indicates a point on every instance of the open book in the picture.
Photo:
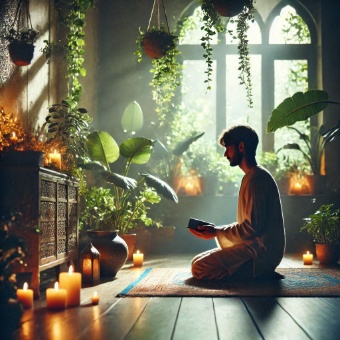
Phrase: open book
(194, 223)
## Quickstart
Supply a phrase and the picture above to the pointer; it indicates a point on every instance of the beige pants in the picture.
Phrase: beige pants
(236, 261)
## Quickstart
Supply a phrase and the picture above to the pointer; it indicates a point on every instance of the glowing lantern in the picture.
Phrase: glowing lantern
(90, 264)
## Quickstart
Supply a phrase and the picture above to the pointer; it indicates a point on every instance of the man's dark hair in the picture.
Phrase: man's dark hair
(240, 133)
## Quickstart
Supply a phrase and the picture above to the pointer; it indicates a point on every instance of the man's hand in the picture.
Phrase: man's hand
(205, 232)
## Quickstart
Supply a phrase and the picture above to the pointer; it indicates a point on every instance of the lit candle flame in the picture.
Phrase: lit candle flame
(56, 286)
(13, 134)
(95, 294)
(137, 251)
(55, 151)
(70, 270)
(307, 252)
(25, 286)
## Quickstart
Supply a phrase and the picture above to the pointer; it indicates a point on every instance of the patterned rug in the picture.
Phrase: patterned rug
(179, 282)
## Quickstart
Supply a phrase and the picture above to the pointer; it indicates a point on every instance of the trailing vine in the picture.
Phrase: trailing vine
(72, 14)
(242, 25)
(211, 23)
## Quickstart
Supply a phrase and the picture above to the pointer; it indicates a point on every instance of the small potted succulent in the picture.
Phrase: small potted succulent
(21, 38)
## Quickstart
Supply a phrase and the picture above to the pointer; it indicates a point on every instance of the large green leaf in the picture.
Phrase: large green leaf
(161, 187)
(332, 134)
(181, 147)
(102, 147)
(300, 106)
(137, 149)
(119, 180)
(132, 119)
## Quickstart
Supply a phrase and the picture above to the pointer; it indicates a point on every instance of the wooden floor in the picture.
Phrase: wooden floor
(183, 318)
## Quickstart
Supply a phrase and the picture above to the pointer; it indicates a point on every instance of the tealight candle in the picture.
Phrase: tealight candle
(13, 138)
(308, 258)
(138, 259)
(55, 159)
(25, 296)
(95, 298)
(56, 298)
(72, 283)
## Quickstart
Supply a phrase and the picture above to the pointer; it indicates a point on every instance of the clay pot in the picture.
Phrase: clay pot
(228, 8)
(327, 253)
(130, 240)
(113, 251)
(21, 53)
(156, 44)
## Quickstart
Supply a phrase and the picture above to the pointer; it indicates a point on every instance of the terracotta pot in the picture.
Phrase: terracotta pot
(317, 184)
(130, 240)
(21, 53)
(327, 253)
(156, 44)
(228, 8)
(113, 251)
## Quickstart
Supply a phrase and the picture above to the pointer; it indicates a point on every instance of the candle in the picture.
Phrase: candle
(56, 298)
(13, 138)
(307, 258)
(55, 159)
(25, 296)
(95, 298)
(72, 283)
(138, 259)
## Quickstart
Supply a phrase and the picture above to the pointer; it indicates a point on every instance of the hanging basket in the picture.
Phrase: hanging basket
(157, 43)
(21, 53)
(229, 8)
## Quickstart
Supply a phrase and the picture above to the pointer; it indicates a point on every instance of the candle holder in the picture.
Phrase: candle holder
(90, 265)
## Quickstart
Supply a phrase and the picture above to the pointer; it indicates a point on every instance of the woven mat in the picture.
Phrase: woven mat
(179, 282)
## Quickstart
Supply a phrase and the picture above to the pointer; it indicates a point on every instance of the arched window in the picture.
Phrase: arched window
(282, 45)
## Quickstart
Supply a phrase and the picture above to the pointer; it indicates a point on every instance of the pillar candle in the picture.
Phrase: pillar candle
(56, 298)
(55, 159)
(25, 296)
(308, 258)
(138, 259)
(72, 283)
(95, 298)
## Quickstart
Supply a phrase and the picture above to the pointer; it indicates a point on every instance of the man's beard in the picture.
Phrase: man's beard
(236, 159)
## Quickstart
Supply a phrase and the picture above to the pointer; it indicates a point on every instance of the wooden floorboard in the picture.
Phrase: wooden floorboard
(183, 318)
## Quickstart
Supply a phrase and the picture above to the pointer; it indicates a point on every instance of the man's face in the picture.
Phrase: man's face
(233, 154)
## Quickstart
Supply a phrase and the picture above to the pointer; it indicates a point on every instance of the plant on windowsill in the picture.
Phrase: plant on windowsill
(21, 36)
(160, 44)
(324, 227)
(300, 107)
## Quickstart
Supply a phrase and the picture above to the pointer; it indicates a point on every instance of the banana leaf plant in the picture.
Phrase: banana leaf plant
(130, 196)
(299, 107)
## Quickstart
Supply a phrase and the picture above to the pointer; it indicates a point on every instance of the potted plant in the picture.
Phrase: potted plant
(299, 107)
(129, 197)
(161, 45)
(324, 227)
(21, 38)
(212, 23)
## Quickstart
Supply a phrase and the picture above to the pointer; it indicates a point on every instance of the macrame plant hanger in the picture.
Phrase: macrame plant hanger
(157, 4)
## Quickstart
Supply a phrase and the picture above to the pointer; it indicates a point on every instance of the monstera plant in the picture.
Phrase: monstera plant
(300, 107)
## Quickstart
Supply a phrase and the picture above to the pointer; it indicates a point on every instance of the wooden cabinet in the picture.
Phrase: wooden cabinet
(48, 201)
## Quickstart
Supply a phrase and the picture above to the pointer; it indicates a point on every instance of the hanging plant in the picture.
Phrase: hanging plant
(21, 36)
(158, 43)
(213, 10)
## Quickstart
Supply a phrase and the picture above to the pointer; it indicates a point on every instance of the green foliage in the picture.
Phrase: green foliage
(129, 198)
(247, 15)
(70, 126)
(324, 225)
(132, 119)
(28, 36)
(72, 13)
(166, 70)
(212, 23)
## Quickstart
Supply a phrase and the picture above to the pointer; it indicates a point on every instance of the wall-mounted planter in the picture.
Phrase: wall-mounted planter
(21, 53)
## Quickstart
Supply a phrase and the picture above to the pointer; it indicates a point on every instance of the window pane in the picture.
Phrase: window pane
(254, 33)
(197, 99)
(290, 77)
(191, 32)
(289, 28)
(237, 108)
